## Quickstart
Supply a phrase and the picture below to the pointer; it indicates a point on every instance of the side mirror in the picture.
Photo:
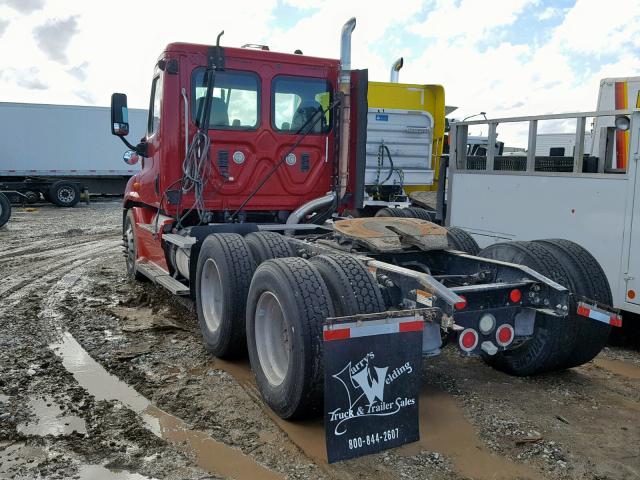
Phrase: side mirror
(130, 157)
(119, 115)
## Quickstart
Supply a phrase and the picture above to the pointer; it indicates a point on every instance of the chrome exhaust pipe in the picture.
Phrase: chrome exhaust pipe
(344, 85)
(395, 70)
(311, 206)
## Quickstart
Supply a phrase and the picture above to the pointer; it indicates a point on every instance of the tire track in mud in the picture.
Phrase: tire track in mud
(14, 288)
(211, 455)
(47, 246)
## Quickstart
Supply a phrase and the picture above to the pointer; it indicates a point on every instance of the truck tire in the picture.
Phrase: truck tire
(267, 245)
(223, 275)
(553, 338)
(287, 305)
(352, 288)
(64, 194)
(586, 278)
(417, 212)
(461, 240)
(130, 243)
(390, 212)
(5, 210)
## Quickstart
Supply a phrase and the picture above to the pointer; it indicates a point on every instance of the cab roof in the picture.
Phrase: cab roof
(266, 56)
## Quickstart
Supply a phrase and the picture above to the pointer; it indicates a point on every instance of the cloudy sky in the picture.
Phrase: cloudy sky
(506, 57)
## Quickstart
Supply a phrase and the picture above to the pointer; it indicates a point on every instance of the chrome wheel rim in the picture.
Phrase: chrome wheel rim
(211, 294)
(66, 194)
(272, 338)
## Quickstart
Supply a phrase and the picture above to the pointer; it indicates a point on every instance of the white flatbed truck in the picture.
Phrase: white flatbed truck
(596, 207)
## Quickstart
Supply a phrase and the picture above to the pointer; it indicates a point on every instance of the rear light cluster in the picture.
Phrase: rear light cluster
(503, 335)
(469, 338)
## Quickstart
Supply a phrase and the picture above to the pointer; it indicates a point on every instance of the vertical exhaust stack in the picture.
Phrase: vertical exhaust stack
(395, 70)
(344, 85)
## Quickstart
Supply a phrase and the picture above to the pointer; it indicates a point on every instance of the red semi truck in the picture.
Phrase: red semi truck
(250, 160)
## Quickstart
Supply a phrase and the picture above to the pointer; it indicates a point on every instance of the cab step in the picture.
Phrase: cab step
(158, 275)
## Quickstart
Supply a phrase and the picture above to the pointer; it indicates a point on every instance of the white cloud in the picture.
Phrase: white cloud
(468, 20)
(24, 6)
(548, 13)
(54, 36)
(111, 53)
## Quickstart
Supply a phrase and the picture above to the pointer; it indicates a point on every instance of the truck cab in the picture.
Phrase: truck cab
(260, 101)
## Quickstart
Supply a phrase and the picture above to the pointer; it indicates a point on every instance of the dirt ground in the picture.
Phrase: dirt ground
(105, 378)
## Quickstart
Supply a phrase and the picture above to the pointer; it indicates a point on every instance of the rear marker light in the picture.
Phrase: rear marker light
(504, 335)
(631, 294)
(515, 295)
(468, 340)
(487, 323)
(461, 305)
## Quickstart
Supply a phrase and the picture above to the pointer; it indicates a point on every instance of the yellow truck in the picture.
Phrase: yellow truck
(405, 136)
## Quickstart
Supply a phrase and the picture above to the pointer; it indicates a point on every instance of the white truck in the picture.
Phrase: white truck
(57, 151)
(592, 200)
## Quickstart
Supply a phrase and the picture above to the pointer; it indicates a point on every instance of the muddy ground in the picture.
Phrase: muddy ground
(104, 378)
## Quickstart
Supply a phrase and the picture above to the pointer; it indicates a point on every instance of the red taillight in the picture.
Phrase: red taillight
(468, 339)
(461, 305)
(515, 295)
(504, 335)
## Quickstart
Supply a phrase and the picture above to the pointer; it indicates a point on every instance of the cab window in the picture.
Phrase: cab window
(155, 106)
(234, 102)
(298, 104)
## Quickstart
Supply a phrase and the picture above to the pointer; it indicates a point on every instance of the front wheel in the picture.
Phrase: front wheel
(130, 243)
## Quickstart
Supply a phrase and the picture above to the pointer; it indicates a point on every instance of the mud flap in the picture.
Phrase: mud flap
(372, 384)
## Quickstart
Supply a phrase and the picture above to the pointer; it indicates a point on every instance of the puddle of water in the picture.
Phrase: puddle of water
(4, 398)
(49, 420)
(98, 472)
(308, 435)
(213, 456)
(618, 367)
(443, 429)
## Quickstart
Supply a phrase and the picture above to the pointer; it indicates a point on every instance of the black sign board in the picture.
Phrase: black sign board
(372, 384)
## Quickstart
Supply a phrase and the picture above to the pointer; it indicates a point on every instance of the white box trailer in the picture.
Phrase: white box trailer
(600, 211)
(70, 147)
(560, 144)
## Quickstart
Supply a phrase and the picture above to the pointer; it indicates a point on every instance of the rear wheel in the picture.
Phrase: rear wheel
(5, 209)
(461, 240)
(267, 245)
(129, 241)
(586, 278)
(64, 194)
(390, 212)
(287, 305)
(417, 212)
(352, 288)
(553, 338)
(223, 276)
